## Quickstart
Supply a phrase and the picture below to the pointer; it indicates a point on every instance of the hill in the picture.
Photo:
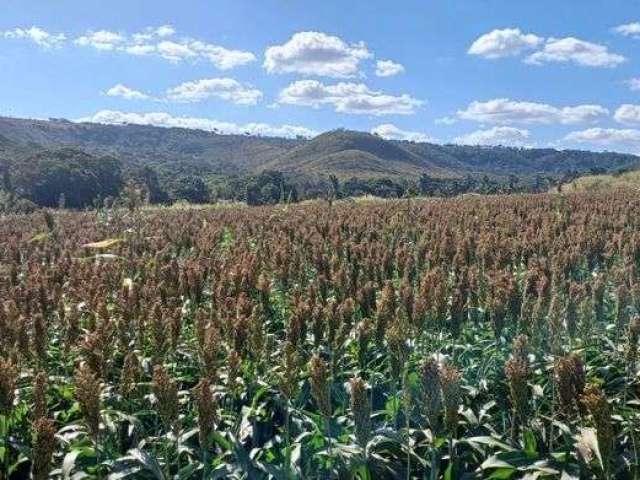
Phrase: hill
(343, 153)
(177, 149)
(357, 154)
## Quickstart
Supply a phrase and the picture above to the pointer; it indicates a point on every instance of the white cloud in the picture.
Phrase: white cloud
(174, 52)
(101, 40)
(158, 41)
(507, 136)
(623, 139)
(127, 93)
(504, 43)
(151, 33)
(224, 88)
(163, 119)
(316, 53)
(221, 57)
(627, 114)
(573, 50)
(512, 42)
(389, 131)
(388, 68)
(504, 111)
(140, 50)
(37, 35)
(445, 121)
(634, 84)
(348, 97)
(629, 29)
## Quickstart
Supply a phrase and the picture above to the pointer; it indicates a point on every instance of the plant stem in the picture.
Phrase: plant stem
(287, 459)
(434, 463)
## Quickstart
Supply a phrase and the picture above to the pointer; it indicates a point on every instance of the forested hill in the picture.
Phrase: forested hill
(343, 153)
(56, 161)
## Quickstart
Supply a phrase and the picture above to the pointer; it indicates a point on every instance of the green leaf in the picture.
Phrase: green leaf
(70, 459)
(360, 472)
(530, 445)
(488, 441)
(146, 460)
(495, 462)
(502, 473)
(124, 473)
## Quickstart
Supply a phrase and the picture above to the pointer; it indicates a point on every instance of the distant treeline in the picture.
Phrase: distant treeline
(71, 178)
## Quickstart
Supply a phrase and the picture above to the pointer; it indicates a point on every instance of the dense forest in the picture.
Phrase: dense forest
(75, 165)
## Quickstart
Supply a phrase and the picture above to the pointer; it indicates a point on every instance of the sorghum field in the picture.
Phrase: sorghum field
(482, 337)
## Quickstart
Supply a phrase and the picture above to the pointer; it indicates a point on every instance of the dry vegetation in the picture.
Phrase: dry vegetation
(488, 337)
(601, 183)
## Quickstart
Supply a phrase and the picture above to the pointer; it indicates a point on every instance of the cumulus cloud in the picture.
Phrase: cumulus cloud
(634, 84)
(163, 119)
(37, 35)
(160, 42)
(627, 114)
(347, 97)
(389, 131)
(445, 121)
(316, 53)
(101, 40)
(388, 68)
(512, 42)
(505, 111)
(151, 33)
(504, 43)
(629, 30)
(573, 50)
(224, 88)
(127, 93)
(507, 136)
(626, 139)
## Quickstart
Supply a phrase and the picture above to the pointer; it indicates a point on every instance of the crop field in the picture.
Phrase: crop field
(480, 337)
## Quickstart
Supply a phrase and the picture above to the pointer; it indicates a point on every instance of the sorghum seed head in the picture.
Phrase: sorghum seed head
(319, 379)
(361, 409)
(450, 383)
(88, 395)
(43, 447)
(206, 412)
(165, 390)
(40, 396)
(8, 380)
(431, 392)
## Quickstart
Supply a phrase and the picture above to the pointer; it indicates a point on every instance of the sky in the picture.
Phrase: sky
(562, 73)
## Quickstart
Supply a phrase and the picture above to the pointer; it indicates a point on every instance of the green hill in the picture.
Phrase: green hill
(346, 154)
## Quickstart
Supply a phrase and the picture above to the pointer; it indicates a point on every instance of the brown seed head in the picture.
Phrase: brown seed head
(319, 379)
(361, 410)
(8, 381)
(165, 390)
(43, 447)
(88, 396)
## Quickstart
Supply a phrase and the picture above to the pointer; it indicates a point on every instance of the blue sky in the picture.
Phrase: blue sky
(543, 73)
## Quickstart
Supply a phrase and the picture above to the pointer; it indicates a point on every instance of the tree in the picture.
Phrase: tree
(70, 173)
(270, 187)
(148, 177)
(190, 188)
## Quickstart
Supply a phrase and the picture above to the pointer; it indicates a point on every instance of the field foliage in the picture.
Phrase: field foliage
(480, 337)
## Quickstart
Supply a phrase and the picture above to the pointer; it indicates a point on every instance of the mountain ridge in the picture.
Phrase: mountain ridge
(343, 153)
